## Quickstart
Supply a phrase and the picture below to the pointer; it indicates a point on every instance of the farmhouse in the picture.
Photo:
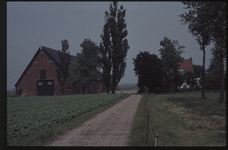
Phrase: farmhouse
(39, 77)
(186, 65)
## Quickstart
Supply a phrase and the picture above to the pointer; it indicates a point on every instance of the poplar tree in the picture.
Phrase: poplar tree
(115, 44)
(63, 66)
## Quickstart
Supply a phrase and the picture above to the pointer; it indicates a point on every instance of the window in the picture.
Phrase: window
(28, 72)
(42, 52)
(49, 83)
(42, 74)
(36, 61)
(68, 89)
(40, 83)
(50, 61)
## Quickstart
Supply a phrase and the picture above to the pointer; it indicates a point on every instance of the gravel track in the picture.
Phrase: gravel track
(109, 128)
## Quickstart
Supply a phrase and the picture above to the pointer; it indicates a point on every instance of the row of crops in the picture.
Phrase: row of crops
(28, 115)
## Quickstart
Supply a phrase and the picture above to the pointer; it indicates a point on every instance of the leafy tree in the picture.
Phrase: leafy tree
(217, 19)
(63, 66)
(219, 56)
(171, 54)
(212, 76)
(105, 55)
(197, 70)
(85, 67)
(207, 21)
(197, 24)
(115, 45)
(149, 69)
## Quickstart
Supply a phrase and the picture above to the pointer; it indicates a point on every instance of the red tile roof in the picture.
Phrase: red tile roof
(186, 65)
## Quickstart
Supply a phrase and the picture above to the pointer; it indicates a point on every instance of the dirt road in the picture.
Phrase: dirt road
(109, 128)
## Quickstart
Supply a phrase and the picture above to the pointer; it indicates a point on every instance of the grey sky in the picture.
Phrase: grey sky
(31, 24)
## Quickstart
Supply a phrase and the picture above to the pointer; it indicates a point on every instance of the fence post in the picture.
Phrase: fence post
(145, 108)
(156, 139)
(147, 125)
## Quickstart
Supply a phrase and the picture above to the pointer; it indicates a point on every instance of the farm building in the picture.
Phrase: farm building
(186, 65)
(39, 77)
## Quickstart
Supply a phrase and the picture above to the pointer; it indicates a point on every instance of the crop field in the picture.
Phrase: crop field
(29, 115)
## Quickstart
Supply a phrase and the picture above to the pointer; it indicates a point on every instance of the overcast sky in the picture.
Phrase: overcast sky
(31, 24)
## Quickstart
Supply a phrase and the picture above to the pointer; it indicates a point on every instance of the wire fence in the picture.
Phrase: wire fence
(154, 139)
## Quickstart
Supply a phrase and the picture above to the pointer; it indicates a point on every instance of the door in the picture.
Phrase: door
(45, 88)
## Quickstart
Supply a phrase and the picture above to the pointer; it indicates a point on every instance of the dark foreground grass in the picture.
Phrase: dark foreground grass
(46, 136)
(182, 119)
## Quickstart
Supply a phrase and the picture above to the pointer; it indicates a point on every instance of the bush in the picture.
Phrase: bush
(197, 87)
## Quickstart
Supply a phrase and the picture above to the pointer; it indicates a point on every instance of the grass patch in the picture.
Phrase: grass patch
(138, 131)
(182, 119)
(46, 134)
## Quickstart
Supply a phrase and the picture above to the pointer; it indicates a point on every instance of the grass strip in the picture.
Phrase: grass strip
(182, 119)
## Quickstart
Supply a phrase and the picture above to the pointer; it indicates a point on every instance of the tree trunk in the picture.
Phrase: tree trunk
(107, 89)
(113, 89)
(114, 77)
(203, 74)
(173, 82)
(74, 87)
(62, 90)
(222, 83)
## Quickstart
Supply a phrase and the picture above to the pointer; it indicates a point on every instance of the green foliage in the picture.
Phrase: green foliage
(212, 76)
(149, 69)
(85, 67)
(198, 22)
(197, 70)
(63, 65)
(171, 56)
(171, 53)
(30, 115)
(114, 46)
(207, 21)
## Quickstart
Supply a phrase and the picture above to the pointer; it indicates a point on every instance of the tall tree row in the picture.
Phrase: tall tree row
(114, 46)
(207, 22)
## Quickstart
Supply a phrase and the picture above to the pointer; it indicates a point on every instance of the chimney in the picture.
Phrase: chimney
(190, 58)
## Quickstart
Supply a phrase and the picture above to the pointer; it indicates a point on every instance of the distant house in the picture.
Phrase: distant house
(186, 65)
(39, 77)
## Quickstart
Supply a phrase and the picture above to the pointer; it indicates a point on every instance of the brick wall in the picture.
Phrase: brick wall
(42, 61)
